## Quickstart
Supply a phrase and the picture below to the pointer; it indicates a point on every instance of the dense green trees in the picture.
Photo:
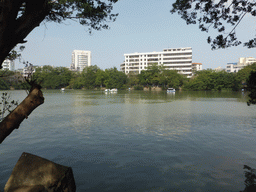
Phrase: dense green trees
(11, 80)
(115, 79)
(172, 78)
(4, 85)
(52, 77)
(248, 77)
(243, 75)
(151, 76)
(93, 77)
(89, 77)
(158, 76)
(212, 80)
(219, 80)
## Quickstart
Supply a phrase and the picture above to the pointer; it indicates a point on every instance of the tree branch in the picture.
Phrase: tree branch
(22, 111)
(237, 24)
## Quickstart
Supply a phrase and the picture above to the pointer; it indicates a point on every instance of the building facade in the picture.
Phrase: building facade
(243, 61)
(80, 60)
(233, 67)
(197, 66)
(179, 59)
(8, 64)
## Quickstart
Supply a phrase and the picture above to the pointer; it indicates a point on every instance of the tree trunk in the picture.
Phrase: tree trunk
(14, 28)
(22, 111)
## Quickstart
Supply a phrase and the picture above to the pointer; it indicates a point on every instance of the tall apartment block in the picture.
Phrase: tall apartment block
(8, 64)
(179, 59)
(80, 60)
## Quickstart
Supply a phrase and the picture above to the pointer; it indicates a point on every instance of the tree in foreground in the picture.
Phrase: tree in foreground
(219, 15)
(19, 17)
(251, 84)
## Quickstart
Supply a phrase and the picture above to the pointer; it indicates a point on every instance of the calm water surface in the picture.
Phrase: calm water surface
(140, 141)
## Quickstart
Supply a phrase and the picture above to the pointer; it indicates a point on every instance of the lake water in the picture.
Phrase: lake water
(140, 141)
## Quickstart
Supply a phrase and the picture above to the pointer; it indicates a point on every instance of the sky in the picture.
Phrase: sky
(142, 26)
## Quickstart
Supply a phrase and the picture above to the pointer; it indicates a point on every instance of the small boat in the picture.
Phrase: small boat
(170, 90)
(113, 90)
(107, 90)
(62, 89)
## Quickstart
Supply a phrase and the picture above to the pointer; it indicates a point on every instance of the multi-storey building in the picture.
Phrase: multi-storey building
(197, 66)
(243, 61)
(80, 60)
(8, 64)
(233, 67)
(179, 59)
(246, 61)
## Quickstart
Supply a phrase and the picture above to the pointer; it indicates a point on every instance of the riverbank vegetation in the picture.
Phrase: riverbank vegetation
(11, 80)
(156, 76)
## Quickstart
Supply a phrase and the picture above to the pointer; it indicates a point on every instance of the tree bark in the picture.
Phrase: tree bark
(22, 111)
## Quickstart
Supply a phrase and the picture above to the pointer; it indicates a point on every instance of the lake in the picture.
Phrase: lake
(140, 141)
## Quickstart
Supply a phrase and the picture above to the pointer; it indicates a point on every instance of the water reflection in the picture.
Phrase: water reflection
(148, 141)
(156, 113)
(153, 114)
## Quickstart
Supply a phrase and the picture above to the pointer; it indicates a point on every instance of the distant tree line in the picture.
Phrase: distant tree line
(93, 77)
(220, 80)
(11, 80)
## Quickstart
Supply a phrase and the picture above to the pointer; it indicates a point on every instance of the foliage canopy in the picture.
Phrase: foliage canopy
(217, 14)
(19, 17)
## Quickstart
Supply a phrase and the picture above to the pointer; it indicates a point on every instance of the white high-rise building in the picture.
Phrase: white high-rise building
(179, 59)
(80, 60)
(8, 64)
(243, 61)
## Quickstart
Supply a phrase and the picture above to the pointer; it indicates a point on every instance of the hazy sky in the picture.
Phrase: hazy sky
(142, 26)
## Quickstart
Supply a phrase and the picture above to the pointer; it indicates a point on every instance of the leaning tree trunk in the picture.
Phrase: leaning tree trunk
(22, 111)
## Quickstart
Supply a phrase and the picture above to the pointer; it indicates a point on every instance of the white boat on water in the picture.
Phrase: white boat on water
(113, 90)
(170, 90)
(62, 89)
